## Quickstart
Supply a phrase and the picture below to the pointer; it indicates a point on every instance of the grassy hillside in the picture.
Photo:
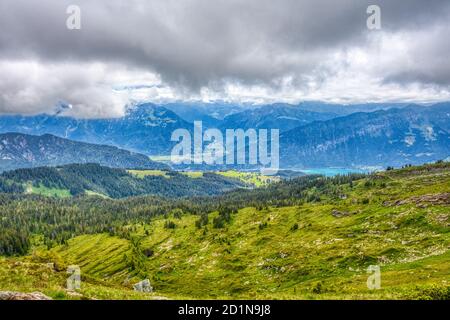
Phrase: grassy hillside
(46, 191)
(146, 173)
(398, 220)
(254, 179)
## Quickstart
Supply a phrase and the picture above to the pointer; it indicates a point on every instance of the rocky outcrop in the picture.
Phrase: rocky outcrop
(10, 295)
(339, 214)
(143, 286)
(421, 201)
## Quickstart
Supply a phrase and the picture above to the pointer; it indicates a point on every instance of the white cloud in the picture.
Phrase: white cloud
(28, 86)
(254, 51)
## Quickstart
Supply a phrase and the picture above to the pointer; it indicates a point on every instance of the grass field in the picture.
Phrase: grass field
(254, 178)
(193, 174)
(95, 194)
(145, 173)
(49, 192)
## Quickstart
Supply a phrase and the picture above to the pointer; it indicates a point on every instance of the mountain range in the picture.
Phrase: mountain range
(279, 116)
(410, 135)
(146, 128)
(313, 134)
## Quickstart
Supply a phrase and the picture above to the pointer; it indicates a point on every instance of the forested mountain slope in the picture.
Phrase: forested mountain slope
(19, 150)
(79, 179)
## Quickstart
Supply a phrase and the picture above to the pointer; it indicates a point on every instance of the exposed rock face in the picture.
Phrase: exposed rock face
(339, 214)
(10, 295)
(422, 201)
(143, 286)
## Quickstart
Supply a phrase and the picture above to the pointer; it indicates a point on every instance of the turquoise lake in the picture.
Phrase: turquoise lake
(330, 172)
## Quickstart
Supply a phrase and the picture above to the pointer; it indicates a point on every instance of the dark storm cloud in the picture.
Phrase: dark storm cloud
(293, 47)
(199, 43)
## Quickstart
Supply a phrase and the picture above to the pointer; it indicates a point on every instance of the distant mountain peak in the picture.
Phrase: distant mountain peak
(152, 115)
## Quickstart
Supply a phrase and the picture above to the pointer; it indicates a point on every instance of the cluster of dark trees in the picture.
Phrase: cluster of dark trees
(7, 186)
(115, 183)
(14, 241)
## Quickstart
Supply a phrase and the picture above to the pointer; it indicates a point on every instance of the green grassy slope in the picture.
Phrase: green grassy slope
(48, 192)
(398, 220)
(145, 173)
(254, 179)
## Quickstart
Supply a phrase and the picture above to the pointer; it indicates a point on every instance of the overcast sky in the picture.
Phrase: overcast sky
(241, 51)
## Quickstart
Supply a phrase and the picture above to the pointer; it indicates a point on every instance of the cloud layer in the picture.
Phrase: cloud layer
(248, 50)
